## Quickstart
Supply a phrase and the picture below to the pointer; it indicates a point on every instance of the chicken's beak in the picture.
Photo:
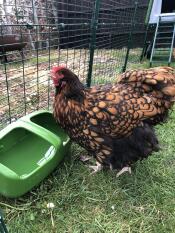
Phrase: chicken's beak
(54, 78)
(55, 81)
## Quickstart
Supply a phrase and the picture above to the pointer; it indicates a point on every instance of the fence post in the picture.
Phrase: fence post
(130, 36)
(146, 27)
(94, 25)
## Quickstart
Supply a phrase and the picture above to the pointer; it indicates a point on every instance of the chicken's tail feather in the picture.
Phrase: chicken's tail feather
(156, 84)
(159, 81)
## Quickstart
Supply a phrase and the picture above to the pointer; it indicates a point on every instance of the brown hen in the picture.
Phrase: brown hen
(114, 122)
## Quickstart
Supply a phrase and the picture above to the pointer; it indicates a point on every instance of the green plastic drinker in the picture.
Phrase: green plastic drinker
(30, 149)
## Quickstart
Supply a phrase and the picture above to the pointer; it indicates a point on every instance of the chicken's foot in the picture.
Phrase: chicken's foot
(124, 169)
(85, 158)
(96, 168)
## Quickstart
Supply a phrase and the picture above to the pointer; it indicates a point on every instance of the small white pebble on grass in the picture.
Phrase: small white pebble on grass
(50, 205)
(113, 207)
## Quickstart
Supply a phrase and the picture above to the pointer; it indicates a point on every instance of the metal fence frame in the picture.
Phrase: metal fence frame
(87, 37)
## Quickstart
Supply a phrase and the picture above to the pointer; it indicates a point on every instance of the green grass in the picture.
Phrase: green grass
(143, 202)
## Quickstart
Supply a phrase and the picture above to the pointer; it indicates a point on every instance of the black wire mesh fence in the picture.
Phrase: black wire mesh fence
(94, 38)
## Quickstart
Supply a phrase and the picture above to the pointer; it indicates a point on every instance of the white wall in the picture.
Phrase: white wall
(156, 11)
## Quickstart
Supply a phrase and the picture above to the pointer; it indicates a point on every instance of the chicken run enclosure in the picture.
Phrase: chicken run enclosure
(95, 38)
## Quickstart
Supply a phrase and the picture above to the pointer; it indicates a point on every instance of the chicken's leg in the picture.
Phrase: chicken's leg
(124, 169)
(96, 168)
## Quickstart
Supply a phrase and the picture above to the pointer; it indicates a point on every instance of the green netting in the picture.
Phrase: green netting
(91, 37)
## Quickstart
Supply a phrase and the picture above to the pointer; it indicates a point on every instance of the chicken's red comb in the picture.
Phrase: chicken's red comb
(55, 69)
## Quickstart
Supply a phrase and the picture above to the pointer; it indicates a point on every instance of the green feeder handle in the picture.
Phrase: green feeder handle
(3, 228)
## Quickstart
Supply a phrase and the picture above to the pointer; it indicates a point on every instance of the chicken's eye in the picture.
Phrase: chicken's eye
(60, 75)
